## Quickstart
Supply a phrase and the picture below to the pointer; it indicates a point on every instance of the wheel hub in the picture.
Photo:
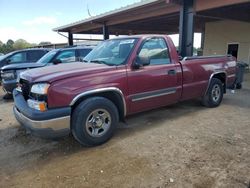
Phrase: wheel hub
(216, 92)
(98, 122)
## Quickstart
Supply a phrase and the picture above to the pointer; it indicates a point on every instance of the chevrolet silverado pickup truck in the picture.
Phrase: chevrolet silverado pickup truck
(120, 77)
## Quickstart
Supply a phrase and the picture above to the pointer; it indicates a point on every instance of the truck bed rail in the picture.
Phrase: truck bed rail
(205, 57)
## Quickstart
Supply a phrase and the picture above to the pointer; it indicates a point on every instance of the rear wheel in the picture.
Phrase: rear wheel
(94, 121)
(214, 94)
(238, 86)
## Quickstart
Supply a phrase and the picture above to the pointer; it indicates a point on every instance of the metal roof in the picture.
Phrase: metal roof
(158, 16)
(109, 13)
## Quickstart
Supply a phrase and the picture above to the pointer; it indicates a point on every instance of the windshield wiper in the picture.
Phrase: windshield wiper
(100, 62)
(97, 61)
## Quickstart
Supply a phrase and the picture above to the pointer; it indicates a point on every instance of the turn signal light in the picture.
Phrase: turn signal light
(38, 105)
(42, 106)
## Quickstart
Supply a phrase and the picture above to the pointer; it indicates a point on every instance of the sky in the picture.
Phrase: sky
(33, 20)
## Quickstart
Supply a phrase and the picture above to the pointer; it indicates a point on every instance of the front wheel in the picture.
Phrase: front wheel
(94, 121)
(214, 94)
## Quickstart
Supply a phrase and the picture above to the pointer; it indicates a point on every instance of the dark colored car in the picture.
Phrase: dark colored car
(10, 73)
(122, 76)
(23, 56)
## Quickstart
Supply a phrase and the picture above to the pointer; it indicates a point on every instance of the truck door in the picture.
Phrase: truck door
(156, 84)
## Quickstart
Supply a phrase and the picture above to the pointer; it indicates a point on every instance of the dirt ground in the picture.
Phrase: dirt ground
(184, 145)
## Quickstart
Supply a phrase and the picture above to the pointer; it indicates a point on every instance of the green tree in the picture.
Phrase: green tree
(1, 47)
(21, 44)
(10, 42)
(9, 46)
(4, 48)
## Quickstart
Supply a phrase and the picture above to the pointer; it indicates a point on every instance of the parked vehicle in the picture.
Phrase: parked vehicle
(23, 56)
(10, 73)
(122, 76)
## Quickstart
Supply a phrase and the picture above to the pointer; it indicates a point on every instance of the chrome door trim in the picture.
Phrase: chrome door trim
(153, 94)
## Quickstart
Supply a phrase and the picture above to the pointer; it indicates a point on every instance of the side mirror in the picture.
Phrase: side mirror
(8, 61)
(57, 61)
(140, 62)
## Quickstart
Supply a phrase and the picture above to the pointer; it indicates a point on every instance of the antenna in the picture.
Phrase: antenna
(88, 10)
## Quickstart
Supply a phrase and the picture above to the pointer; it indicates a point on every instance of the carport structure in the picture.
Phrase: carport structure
(163, 17)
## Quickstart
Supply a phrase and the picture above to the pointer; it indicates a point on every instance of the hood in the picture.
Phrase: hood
(21, 66)
(62, 71)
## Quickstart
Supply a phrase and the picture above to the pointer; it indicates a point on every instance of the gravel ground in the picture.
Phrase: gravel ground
(183, 145)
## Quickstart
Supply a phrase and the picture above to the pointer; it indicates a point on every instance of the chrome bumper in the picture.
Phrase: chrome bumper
(51, 128)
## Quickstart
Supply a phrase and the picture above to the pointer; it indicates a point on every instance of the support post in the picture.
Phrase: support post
(203, 38)
(105, 32)
(186, 28)
(70, 39)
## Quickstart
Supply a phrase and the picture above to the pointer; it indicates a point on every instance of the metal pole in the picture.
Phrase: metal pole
(70, 39)
(105, 32)
(186, 28)
(203, 39)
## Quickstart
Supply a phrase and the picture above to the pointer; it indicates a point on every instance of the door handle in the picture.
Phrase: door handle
(171, 72)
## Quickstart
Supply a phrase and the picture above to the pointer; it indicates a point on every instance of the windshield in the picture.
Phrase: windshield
(47, 57)
(111, 52)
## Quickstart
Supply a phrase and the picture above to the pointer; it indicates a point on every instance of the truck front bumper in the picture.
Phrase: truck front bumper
(53, 123)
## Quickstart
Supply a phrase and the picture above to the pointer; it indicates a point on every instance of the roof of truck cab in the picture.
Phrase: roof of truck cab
(139, 36)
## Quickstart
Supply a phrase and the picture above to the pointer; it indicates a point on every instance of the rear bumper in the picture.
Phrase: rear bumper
(53, 123)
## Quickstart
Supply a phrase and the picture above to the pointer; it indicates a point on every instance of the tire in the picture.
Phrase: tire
(8, 96)
(94, 121)
(214, 94)
(238, 86)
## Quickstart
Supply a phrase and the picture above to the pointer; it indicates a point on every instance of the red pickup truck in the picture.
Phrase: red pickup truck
(120, 77)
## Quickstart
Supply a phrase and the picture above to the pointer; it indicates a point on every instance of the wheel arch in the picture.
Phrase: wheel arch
(112, 93)
(222, 76)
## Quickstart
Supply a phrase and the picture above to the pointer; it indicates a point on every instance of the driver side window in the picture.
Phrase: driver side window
(156, 50)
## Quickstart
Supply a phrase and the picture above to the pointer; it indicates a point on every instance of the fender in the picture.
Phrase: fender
(100, 90)
(212, 75)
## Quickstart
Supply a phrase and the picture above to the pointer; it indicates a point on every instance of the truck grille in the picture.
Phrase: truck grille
(25, 86)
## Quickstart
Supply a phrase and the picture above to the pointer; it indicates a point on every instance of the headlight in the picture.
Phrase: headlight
(8, 75)
(38, 105)
(41, 89)
(39, 96)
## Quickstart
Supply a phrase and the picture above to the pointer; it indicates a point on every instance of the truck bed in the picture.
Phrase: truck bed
(197, 71)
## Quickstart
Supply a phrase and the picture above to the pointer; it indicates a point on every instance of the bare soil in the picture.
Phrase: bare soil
(183, 145)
